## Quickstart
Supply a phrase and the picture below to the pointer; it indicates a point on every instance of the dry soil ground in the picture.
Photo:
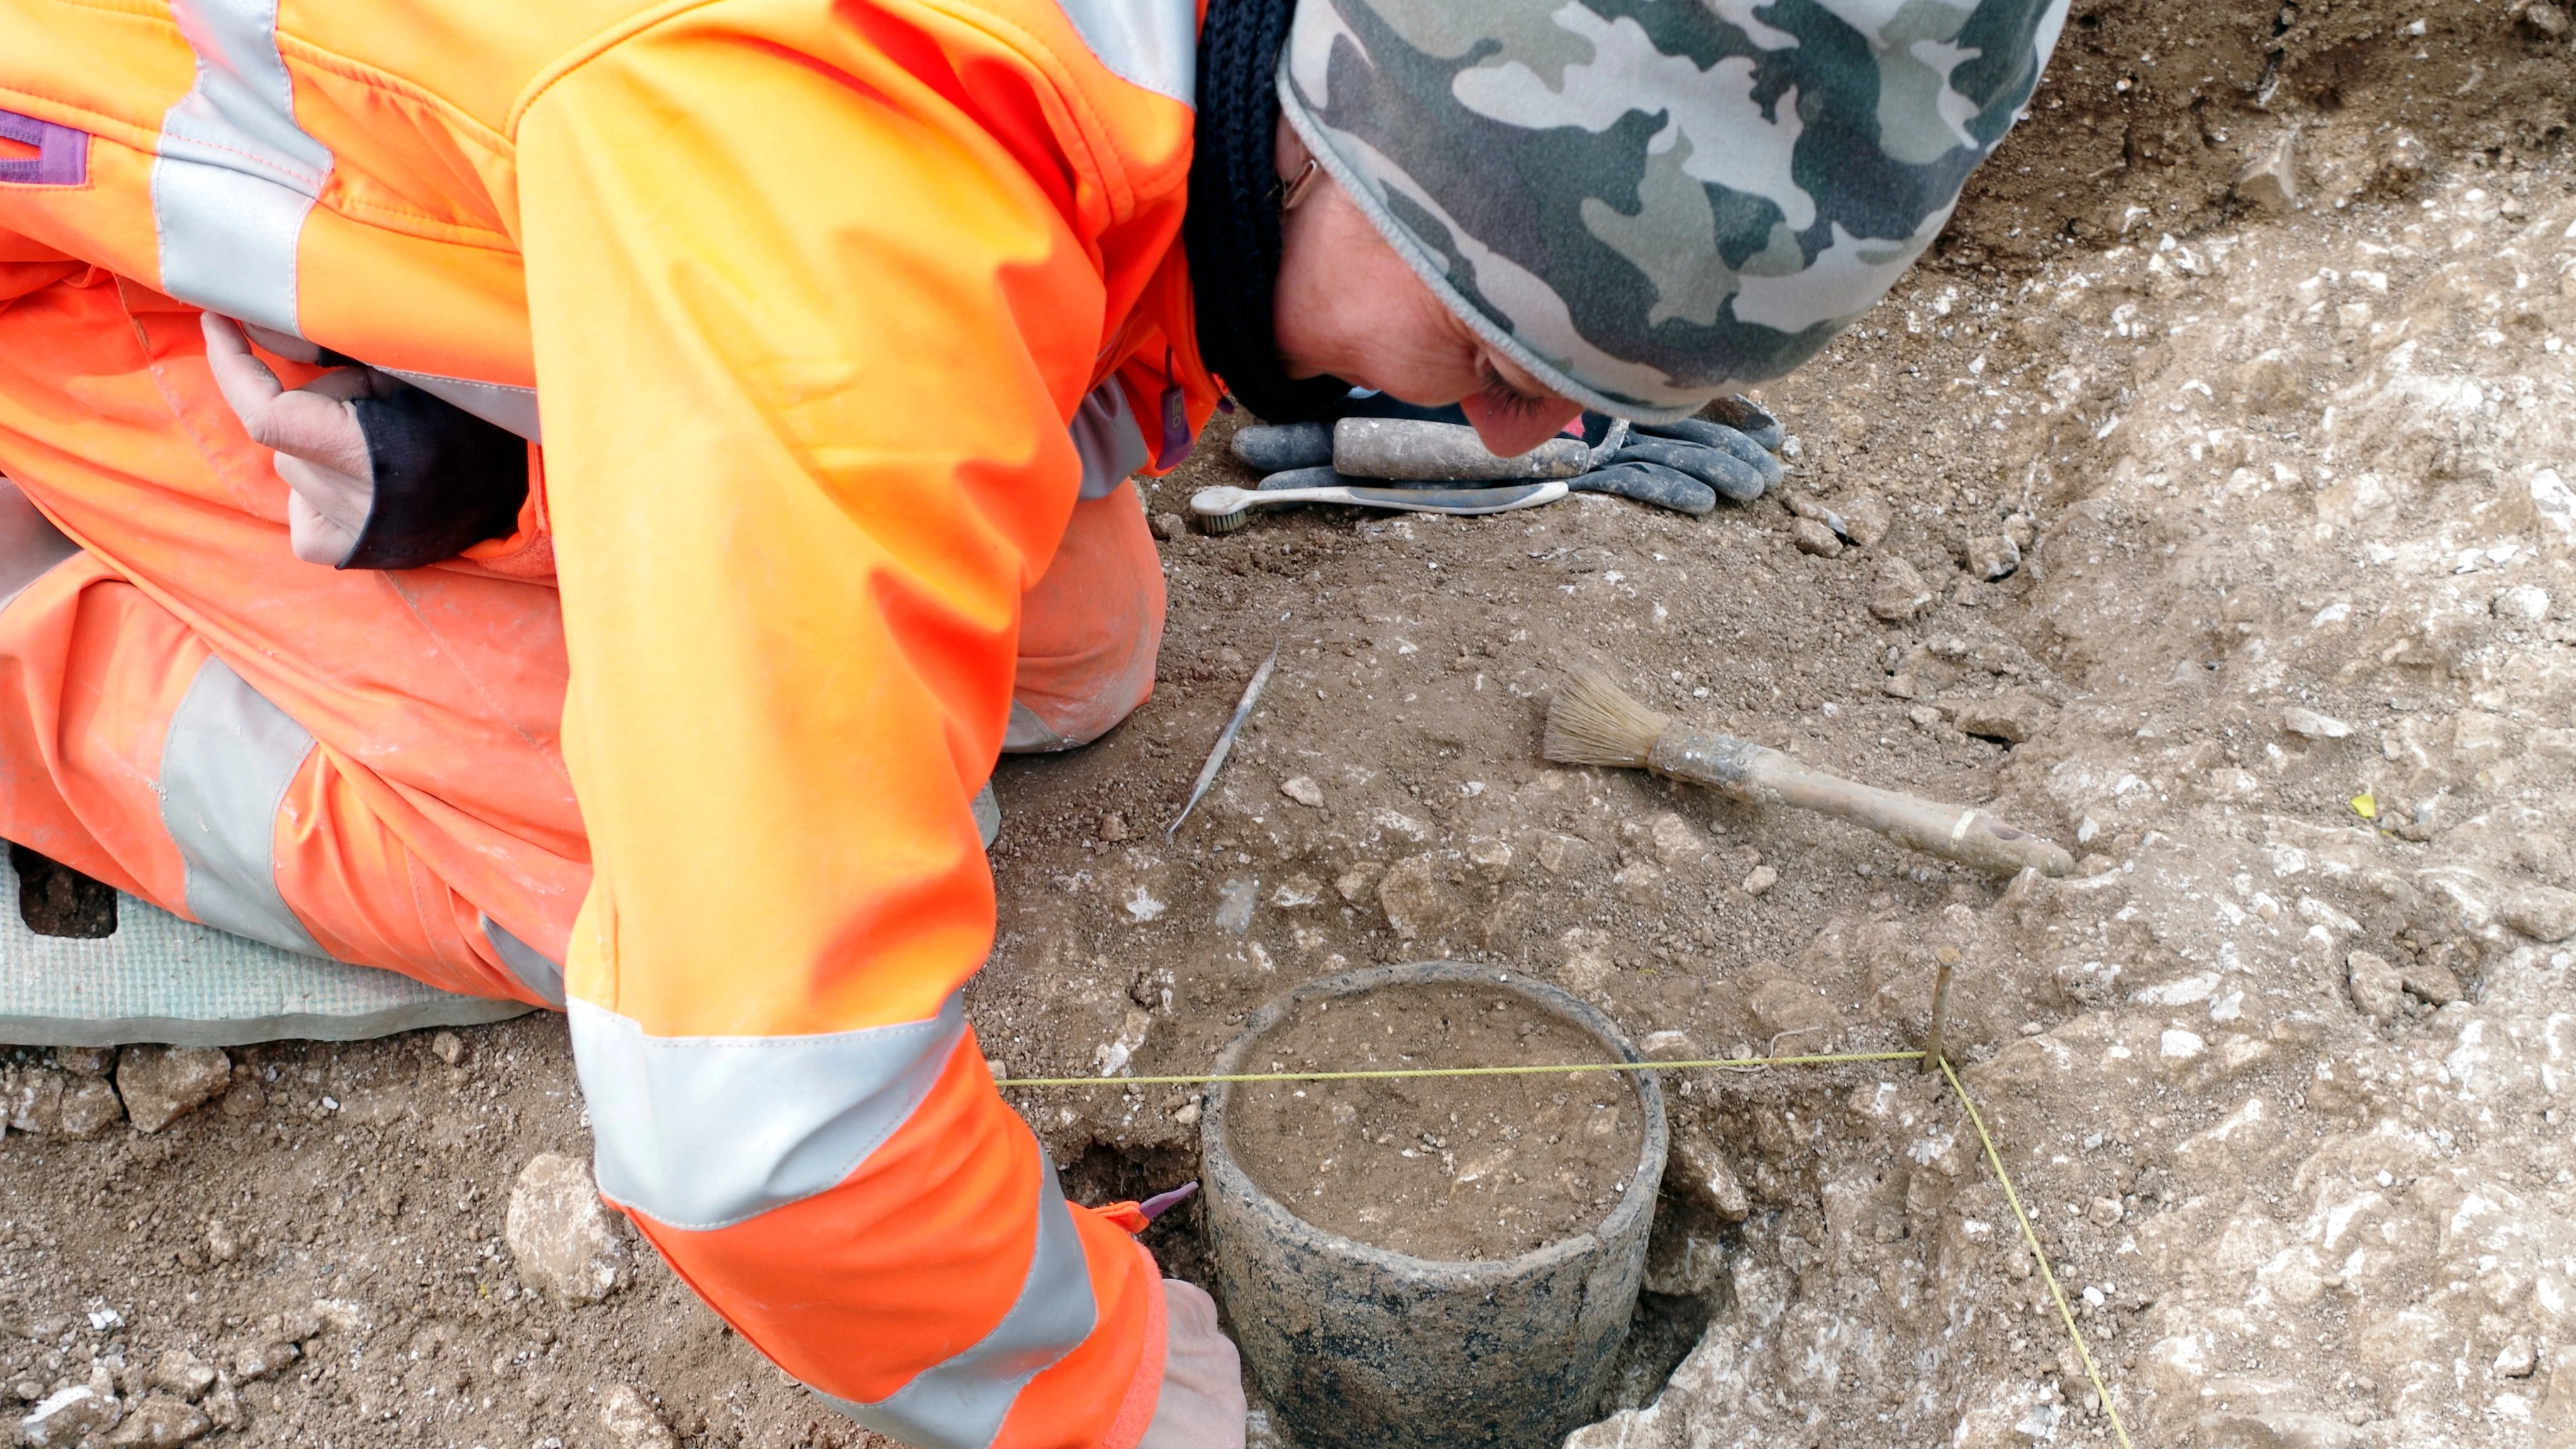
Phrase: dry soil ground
(2289, 655)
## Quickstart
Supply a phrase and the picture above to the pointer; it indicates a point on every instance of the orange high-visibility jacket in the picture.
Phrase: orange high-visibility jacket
(803, 296)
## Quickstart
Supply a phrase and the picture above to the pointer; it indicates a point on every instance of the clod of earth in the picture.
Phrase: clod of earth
(1898, 593)
(1865, 519)
(1813, 537)
(2015, 717)
(2271, 181)
(160, 1423)
(182, 1373)
(89, 1107)
(560, 1238)
(161, 1084)
(1417, 897)
(1993, 556)
(2377, 988)
(1698, 1168)
(2544, 913)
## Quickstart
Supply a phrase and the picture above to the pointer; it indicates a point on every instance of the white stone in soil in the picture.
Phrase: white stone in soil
(69, 1416)
(559, 1234)
(1112, 1056)
(1297, 892)
(2524, 604)
(2309, 724)
(1234, 902)
(632, 1422)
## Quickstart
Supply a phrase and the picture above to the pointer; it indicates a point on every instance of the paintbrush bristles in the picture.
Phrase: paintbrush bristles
(1594, 722)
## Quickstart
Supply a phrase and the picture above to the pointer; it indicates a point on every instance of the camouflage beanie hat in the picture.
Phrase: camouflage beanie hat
(1649, 202)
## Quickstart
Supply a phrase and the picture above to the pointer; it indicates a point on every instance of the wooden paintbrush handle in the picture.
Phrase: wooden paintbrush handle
(1954, 832)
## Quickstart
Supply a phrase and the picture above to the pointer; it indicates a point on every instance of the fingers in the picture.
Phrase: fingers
(1715, 467)
(314, 422)
(1189, 1306)
(314, 538)
(1727, 440)
(286, 345)
(245, 381)
(1651, 483)
(1201, 1405)
(326, 510)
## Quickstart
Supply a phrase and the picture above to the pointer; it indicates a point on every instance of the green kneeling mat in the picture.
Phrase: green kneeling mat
(162, 979)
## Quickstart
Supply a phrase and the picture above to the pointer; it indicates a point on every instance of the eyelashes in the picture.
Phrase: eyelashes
(1505, 400)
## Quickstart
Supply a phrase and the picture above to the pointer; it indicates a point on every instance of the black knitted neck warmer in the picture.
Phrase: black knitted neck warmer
(1231, 230)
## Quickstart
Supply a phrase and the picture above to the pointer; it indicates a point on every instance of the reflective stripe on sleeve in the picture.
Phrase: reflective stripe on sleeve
(236, 175)
(503, 406)
(960, 1404)
(225, 767)
(30, 545)
(703, 1132)
(1148, 43)
(535, 970)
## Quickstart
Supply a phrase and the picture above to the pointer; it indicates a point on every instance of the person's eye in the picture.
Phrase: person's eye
(1500, 397)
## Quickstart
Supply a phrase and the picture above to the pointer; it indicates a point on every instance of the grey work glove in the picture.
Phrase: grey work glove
(1202, 1404)
(1687, 466)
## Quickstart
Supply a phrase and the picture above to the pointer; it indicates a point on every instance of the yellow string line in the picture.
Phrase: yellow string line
(1994, 1159)
(2030, 1235)
(1194, 1081)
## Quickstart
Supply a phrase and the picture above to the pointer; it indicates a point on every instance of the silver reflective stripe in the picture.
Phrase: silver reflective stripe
(960, 1404)
(499, 404)
(534, 970)
(1150, 43)
(704, 1132)
(30, 545)
(236, 175)
(1027, 734)
(225, 766)
(1112, 446)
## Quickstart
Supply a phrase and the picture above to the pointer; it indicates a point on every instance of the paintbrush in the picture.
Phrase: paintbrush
(1593, 722)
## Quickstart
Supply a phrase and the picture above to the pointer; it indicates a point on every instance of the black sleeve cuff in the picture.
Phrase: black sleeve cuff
(445, 481)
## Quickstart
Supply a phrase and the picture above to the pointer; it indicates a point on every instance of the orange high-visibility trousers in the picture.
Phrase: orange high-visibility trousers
(353, 764)
(828, 313)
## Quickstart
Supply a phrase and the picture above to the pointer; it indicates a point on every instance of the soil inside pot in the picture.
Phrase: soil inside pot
(1451, 1168)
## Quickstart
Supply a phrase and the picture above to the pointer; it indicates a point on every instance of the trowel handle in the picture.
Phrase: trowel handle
(1754, 772)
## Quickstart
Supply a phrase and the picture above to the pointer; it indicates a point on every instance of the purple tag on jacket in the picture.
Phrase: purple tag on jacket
(62, 154)
(1177, 438)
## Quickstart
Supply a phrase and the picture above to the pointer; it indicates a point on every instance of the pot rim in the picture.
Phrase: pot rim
(1228, 1179)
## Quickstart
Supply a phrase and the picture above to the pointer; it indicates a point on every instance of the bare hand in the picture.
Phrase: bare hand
(1202, 1405)
(321, 452)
